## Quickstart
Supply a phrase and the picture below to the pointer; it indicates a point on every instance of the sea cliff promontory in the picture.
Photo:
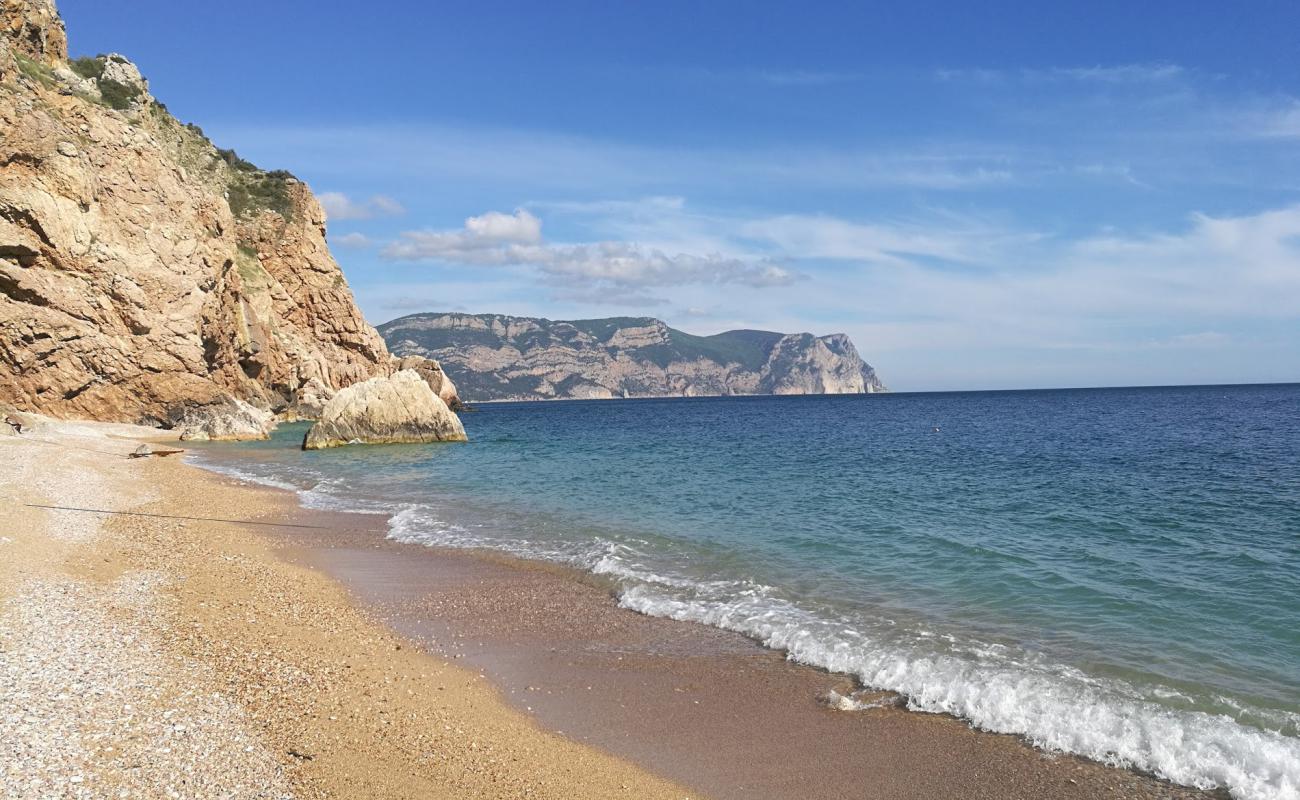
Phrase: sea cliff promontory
(146, 275)
(498, 357)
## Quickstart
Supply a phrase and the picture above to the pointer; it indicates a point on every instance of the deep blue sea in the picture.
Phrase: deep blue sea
(1110, 572)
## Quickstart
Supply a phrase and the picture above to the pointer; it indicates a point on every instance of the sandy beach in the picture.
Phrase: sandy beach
(147, 656)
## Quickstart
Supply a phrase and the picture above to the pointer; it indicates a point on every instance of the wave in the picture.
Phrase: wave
(323, 494)
(231, 471)
(994, 687)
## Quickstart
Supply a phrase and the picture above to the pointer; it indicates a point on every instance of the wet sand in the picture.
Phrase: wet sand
(331, 662)
(707, 708)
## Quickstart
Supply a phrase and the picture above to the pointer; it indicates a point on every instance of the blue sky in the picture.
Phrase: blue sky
(992, 195)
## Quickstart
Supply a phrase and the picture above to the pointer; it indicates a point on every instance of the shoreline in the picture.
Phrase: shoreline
(686, 700)
(154, 657)
(352, 665)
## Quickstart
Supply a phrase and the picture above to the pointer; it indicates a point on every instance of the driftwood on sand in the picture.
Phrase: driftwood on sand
(144, 451)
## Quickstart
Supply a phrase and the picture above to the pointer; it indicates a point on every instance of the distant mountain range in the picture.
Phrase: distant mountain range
(498, 357)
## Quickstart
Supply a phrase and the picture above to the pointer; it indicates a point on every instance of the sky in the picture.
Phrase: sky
(982, 195)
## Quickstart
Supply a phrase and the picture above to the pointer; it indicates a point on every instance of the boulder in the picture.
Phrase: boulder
(401, 408)
(433, 375)
(227, 420)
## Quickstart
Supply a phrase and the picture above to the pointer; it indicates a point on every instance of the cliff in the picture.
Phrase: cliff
(144, 273)
(495, 357)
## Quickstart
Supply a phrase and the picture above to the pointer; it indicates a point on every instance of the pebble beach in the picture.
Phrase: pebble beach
(148, 657)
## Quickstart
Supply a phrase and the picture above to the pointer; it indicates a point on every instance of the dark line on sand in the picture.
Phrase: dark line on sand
(193, 519)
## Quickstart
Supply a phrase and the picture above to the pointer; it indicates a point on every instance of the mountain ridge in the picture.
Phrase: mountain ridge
(504, 357)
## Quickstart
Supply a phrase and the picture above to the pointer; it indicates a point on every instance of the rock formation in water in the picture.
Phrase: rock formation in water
(433, 375)
(145, 275)
(495, 357)
(401, 408)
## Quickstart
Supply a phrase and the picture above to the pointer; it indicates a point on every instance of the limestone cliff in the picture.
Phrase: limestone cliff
(495, 357)
(145, 273)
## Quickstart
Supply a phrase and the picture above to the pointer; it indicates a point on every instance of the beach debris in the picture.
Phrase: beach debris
(144, 451)
(860, 700)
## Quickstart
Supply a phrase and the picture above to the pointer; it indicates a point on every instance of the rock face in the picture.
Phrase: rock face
(497, 357)
(433, 375)
(401, 408)
(35, 30)
(144, 273)
(231, 419)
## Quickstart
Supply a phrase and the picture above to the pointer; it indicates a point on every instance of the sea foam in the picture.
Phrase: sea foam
(993, 687)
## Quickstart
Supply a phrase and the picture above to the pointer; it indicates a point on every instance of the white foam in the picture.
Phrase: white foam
(243, 475)
(993, 686)
(1054, 707)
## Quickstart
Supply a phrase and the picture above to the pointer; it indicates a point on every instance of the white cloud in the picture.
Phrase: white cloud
(1281, 122)
(580, 164)
(1117, 73)
(803, 77)
(605, 269)
(355, 241)
(944, 300)
(492, 238)
(947, 238)
(1098, 73)
(338, 206)
(386, 206)
(494, 227)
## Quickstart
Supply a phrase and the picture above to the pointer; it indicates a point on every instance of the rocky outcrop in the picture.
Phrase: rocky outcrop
(230, 419)
(34, 29)
(143, 271)
(433, 375)
(496, 357)
(398, 409)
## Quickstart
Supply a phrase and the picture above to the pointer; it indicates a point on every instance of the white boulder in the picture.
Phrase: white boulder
(400, 408)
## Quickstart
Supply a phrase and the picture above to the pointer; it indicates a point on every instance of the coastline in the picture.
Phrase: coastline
(323, 670)
(154, 657)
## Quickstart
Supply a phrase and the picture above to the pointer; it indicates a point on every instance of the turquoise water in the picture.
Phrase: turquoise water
(1114, 573)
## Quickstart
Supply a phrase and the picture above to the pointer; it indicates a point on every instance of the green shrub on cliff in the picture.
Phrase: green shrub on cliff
(35, 70)
(252, 191)
(88, 67)
(235, 162)
(117, 95)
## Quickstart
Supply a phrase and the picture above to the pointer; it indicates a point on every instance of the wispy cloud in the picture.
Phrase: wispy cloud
(578, 164)
(958, 240)
(803, 77)
(1114, 73)
(1281, 121)
(1098, 73)
(338, 206)
(353, 241)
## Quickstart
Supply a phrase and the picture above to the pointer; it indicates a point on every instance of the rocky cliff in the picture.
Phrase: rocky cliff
(146, 275)
(494, 357)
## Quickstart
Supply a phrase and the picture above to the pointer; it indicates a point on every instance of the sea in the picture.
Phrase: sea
(1113, 573)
